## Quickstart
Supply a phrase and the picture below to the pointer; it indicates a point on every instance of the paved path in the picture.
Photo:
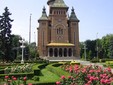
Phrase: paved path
(89, 63)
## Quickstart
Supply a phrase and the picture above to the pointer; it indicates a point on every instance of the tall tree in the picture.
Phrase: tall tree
(111, 48)
(5, 34)
(15, 46)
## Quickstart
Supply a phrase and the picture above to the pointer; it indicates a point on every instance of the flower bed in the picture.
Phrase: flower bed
(19, 69)
(86, 75)
(15, 80)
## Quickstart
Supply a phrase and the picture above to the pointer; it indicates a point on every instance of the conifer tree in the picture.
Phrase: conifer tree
(5, 34)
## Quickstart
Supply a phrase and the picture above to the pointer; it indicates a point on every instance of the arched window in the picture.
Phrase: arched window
(55, 52)
(70, 52)
(65, 52)
(60, 52)
(59, 31)
(50, 52)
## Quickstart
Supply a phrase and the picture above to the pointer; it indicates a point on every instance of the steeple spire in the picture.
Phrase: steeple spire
(73, 15)
(44, 15)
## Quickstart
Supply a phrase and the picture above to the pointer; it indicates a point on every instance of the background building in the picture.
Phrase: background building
(58, 33)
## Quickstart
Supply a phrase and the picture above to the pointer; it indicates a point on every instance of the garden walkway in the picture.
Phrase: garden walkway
(89, 63)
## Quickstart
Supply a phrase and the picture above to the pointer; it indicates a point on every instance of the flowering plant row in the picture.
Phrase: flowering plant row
(15, 81)
(86, 75)
(19, 69)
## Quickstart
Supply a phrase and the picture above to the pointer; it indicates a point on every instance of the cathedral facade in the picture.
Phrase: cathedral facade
(58, 33)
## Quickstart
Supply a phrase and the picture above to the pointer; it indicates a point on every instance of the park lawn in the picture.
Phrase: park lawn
(46, 78)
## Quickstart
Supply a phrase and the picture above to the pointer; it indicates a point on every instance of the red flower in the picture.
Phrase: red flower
(89, 82)
(58, 83)
(14, 78)
(63, 77)
(6, 77)
(25, 78)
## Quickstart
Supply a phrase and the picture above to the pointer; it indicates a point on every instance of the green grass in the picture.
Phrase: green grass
(47, 77)
(35, 66)
(57, 70)
(50, 74)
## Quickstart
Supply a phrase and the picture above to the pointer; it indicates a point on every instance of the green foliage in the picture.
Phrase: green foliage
(37, 72)
(111, 48)
(95, 60)
(86, 75)
(105, 45)
(57, 70)
(36, 78)
(16, 47)
(41, 66)
(29, 75)
(1, 71)
(5, 34)
(58, 64)
(99, 48)
(32, 51)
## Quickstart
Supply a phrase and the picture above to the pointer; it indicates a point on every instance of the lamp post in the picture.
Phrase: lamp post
(22, 46)
(85, 50)
(97, 45)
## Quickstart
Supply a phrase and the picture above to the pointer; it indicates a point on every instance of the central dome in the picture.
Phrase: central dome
(50, 1)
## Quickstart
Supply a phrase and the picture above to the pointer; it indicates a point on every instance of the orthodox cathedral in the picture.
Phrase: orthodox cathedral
(58, 32)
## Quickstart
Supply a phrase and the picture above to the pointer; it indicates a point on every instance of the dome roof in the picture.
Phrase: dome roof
(49, 1)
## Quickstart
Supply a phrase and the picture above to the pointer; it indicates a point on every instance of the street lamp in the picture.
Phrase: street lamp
(85, 50)
(97, 45)
(22, 46)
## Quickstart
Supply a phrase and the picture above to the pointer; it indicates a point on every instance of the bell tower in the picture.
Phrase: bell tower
(58, 17)
(43, 33)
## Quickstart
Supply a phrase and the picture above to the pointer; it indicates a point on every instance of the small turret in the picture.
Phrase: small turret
(44, 15)
(73, 16)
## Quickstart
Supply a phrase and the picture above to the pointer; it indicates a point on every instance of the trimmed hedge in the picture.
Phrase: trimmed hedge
(29, 75)
(57, 70)
(57, 64)
(32, 61)
(37, 72)
(37, 69)
(1, 71)
(42, 66)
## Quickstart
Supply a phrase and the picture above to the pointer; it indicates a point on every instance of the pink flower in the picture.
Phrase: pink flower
(63, 77)
(108, 69)
(14, 78)
(89, 82)
(102, 81)
(6, 77)
(25, 78)
(58, 83)
(91, 71)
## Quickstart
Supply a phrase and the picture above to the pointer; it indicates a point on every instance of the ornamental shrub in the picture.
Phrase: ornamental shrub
(86, 75)
(35, 78)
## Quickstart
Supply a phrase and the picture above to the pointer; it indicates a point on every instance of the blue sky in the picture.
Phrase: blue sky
(96, 16)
